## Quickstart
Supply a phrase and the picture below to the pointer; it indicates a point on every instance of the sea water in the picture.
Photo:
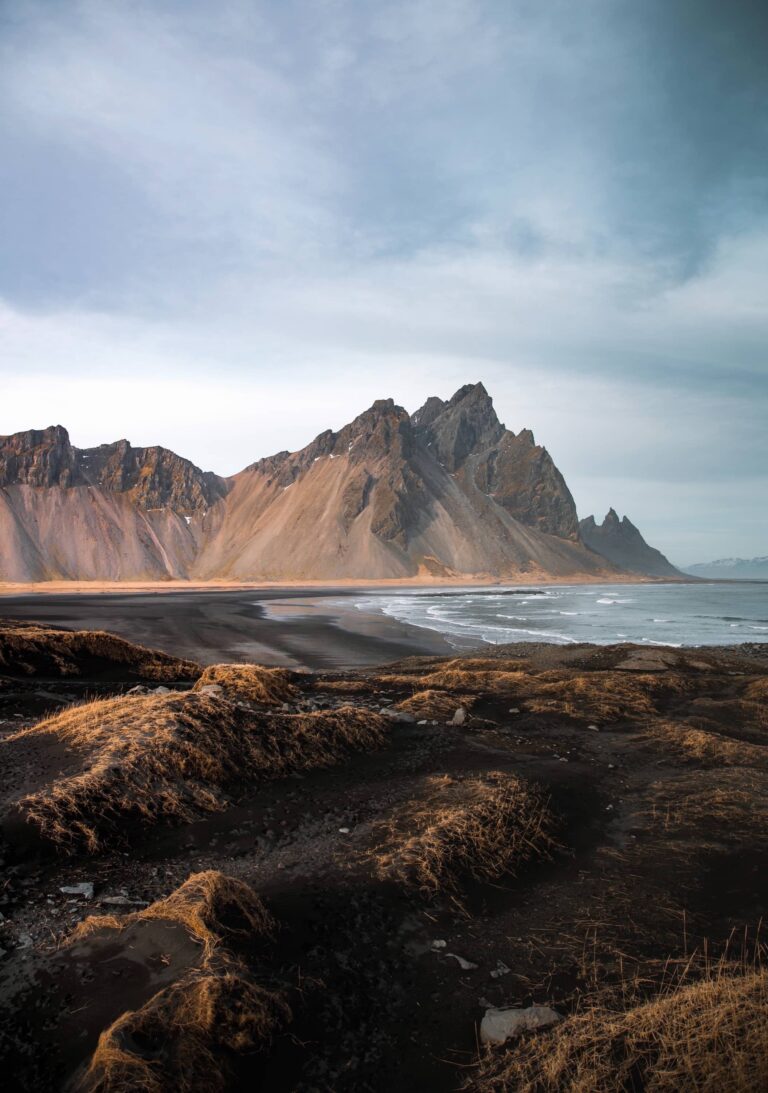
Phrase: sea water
(724, 613)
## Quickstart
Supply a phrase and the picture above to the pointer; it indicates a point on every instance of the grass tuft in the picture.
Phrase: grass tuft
(482, 828)
(172, 757)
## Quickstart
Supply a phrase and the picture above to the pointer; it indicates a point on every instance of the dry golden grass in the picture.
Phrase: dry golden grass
(596, 695)
(341, 686)
(475, 680)
(601, 696)
(757, 691)
(188, 1035)
(212, 907)
(707, 747)
(36, 650)
(705, 1037)
(251, 682)
(170, 757)
(727, 805)
(481, 828)
(436, 705)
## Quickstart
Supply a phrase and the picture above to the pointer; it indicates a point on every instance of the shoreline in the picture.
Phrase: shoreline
(526, 580)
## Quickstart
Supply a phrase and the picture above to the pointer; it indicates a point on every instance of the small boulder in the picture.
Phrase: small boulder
(85, 889)
(399, 715)
(459, 717)
(211, 689)
(500, 1025)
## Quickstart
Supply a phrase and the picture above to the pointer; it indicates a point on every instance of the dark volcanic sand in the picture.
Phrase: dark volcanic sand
(213, 627)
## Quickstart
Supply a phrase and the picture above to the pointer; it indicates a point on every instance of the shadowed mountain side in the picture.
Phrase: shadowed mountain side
(621, 543)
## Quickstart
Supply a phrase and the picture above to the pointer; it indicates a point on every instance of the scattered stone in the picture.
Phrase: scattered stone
(138, 690)
(500, 969)
(500, 1025)
(422, 722)
(84, 889)
(459, 717)
(439, 944)
(211, 689)
(514, 709)
(162, 690)
(123, 901)
(399, 715)
(594, 728)
(465, 965)
(343, 830)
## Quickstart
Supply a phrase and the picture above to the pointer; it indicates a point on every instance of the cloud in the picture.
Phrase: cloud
(227, 228)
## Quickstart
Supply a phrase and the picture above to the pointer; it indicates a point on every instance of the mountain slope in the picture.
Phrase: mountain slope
(621, 543)
(448, 491)
(732, 569)
(393, 496)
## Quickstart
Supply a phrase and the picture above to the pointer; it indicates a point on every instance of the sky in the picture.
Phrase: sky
(225, 227)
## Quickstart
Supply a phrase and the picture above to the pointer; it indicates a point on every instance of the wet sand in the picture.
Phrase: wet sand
(317, 630)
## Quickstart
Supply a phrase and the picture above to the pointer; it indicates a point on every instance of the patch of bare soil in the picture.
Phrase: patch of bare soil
(323, 882)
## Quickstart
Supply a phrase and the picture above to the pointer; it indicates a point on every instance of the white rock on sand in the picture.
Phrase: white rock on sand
(500, 1025)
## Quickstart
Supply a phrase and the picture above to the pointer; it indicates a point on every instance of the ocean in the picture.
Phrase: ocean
(655, 614)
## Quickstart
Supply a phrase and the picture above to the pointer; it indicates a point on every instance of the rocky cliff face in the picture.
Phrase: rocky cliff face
(38, 457)
(447, 491)
(153, 478)
(621, 543)
(468, 439)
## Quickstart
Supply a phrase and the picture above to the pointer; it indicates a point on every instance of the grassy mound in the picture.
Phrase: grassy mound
(483, 828)
(251, 682)
(436, 705)
(171, 757)
(709, 1036)
(190, 1035)
(30, 650)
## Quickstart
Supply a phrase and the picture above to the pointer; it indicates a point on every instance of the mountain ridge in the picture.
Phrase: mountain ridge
(447, 491)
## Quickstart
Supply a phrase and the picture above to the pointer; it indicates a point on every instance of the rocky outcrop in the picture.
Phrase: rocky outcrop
(621, 543)
(38, 457)
(468, 439)
(153, 478)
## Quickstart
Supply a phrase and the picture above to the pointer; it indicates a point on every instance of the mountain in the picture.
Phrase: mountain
(621, 543)
(447, 491)
(732, 569)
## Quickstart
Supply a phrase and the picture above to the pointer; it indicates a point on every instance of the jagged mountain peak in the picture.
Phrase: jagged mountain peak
(622, 543)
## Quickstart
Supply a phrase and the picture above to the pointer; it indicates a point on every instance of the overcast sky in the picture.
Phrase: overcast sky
(227, 226)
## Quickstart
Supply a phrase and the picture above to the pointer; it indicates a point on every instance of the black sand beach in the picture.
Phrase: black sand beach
(295, 627)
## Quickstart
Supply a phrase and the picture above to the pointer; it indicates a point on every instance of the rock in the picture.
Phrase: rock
(500, 1025)
(515, 709)
(343, 830)
(84, 889)
(439, 944)
(399, 715)
(459, 717)
(123, 901)
(162, 690)
(138, 690)
(211, 689)
(500, 969)
(465, 965)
